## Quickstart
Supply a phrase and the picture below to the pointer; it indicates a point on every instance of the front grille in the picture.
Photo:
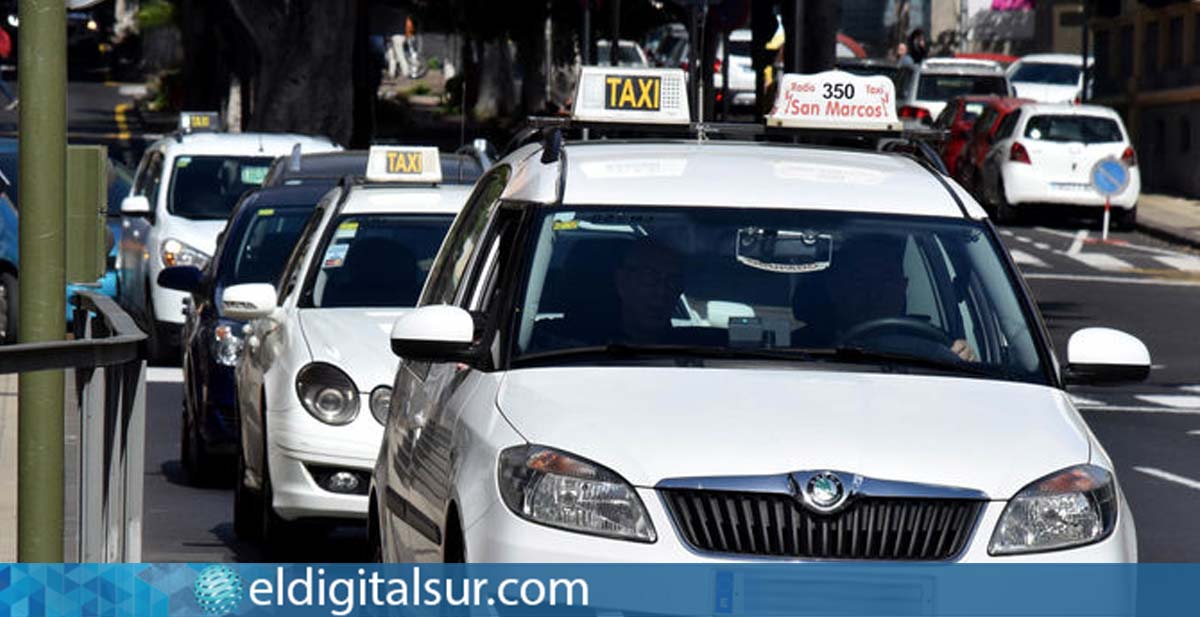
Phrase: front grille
(777, 525)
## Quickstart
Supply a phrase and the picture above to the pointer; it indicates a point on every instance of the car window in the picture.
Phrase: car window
(261, 245)
(208, 187)
(376, 260)
(290, 278)
(1005, 130)
(945, 87)
(1073, 128)
(727, 278)
(946, 118)
(151, 178)
(986, 120)
(460, 244)
(1047, 73)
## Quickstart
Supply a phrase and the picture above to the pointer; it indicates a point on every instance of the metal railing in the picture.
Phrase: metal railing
(106, 407)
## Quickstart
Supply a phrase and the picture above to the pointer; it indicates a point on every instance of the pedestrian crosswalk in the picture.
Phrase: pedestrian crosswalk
(1185, 400)
(1041, 252)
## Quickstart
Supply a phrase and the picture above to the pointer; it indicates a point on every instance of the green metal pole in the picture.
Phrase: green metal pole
(42, 79)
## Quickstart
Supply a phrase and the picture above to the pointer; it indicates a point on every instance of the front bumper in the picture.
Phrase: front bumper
(501, 536)
(297, 442)
(218, 400)
(168, 304)
(1026, 185)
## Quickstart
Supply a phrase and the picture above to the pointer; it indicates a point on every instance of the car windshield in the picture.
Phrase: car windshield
(1047, 73)
(208, 187)
(946, 87)
(259, 246)
(1072, 128)
(376, 260)
(770, 281)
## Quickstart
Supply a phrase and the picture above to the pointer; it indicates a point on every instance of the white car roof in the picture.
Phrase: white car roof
(737, 174)
(1066, 109)
(391, 199)
(244, 144)
(961, 65)
(1071, 59)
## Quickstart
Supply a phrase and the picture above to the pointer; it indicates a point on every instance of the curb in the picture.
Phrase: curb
(1168, 234)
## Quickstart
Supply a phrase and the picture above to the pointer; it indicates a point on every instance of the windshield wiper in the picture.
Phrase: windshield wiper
(626, 350)
(873, 356)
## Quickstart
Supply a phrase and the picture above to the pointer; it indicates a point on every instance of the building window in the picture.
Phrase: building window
(1185, 134)
(1150, 49)
(1175, 42)
(1125, 66)
(1160, 130)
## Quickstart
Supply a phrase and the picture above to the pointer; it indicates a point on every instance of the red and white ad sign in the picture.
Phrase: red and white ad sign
(835, 100)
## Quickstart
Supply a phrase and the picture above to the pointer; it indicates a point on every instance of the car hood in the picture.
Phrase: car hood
(653, 423)
(1045, 93)
(357, 341)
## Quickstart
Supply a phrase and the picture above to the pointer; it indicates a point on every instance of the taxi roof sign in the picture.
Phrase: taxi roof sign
(199, 121)
(626, 95)
(404, 164)
(836, 100)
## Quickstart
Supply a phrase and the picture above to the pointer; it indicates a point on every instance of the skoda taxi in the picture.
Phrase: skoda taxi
(313, 383)
(695, 350)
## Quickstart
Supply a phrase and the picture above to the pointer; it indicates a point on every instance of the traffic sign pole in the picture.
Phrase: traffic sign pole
(1104, 234)
(1109, 176)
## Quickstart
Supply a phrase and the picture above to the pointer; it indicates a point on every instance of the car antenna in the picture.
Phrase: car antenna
(260, 143)
(294, 164)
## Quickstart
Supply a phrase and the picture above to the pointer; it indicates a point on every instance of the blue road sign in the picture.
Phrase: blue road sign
(1109, 177)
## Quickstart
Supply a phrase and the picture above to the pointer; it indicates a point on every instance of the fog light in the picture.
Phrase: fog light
(342, 482)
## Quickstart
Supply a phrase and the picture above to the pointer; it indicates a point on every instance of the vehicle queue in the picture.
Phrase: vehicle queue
(585, 350)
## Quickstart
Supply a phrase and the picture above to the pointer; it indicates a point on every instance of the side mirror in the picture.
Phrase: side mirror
(135, 205)
(1098, 356)
(181, 278)
(249, 301)
(437, 333)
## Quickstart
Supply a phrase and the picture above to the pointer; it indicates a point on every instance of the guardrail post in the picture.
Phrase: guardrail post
(42, 152)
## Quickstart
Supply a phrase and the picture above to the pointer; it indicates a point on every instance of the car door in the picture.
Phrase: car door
(997, 154)
(132, 264)
(419, 439)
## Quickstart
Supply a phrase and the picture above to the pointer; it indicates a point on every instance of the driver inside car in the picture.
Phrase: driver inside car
(866, 284)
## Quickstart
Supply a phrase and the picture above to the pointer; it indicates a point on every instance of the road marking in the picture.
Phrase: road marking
(1193, 432)
(1091, 278)
(1005, 232)
(1077, 243)
(132, 90)
(164, 374)
(1080, 401)
(1171, 400)
(1100, 261)
(1170, 477)
(123, 133)
(1140, 409)
(1024, 239)
(1025, 259)
(1190, 388)
(1180, 262)
(1041, 246)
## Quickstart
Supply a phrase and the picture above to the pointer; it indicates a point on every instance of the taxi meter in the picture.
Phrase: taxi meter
(835, 100)
(404, 164)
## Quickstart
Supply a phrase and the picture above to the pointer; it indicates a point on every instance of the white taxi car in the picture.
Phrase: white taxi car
(313, 381)
(185, 187)
(1043, 154)
(861, 374)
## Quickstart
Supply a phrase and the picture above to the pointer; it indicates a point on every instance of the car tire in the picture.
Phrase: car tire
(247, 509)
(1006, 214)
(277, 533)
(1124, 219)
(194, 454)
(10, 300)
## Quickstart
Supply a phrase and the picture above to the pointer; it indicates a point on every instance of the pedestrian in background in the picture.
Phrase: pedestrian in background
(6, 53)
(918, 46)
(900, 54)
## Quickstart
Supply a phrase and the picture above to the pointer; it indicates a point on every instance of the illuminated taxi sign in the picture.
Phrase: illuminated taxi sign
(404, 164)
(199, 121)
(630, 95)
(835, 100)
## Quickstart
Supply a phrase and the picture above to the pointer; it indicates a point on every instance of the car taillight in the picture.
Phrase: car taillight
(1018, 154)
(914, 113)
(1129, 157)
(717, 66)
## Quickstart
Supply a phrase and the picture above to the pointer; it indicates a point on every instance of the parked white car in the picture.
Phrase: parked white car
(313, 383)
(1048, 78)
(741, 69)
(1044, 154)
(182, 194)
(866, 379)
(923, 90)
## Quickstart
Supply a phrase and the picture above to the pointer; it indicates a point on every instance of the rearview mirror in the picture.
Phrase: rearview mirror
(437, 333)
(248, 301)
(1098, 356)
(181, 278)
(135, 205)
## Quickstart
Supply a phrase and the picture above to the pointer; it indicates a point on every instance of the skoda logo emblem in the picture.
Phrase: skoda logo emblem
(825, 491)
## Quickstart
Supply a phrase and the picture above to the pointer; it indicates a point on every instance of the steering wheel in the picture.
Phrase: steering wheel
(904, 326)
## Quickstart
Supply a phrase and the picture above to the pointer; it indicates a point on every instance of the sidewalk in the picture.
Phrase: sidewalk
(8, 467)
(1173, 218)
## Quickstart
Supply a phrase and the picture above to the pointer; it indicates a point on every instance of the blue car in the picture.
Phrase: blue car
(253, 248)
(9, 247)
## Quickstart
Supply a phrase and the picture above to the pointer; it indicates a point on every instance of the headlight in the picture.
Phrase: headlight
(381, 400)
(226, 343)
(1072, 507)
(327, 393)
(92, 25)
(176, 253)
(13, 20)
(560, 490)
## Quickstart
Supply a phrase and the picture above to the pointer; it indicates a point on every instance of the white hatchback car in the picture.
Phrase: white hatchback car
(185, 187)
(1048, 78)
(697, 351)
(313, 382)
(924, 89)
(1044, 154)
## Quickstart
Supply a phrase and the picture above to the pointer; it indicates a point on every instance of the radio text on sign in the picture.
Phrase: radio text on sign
(832, 106)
